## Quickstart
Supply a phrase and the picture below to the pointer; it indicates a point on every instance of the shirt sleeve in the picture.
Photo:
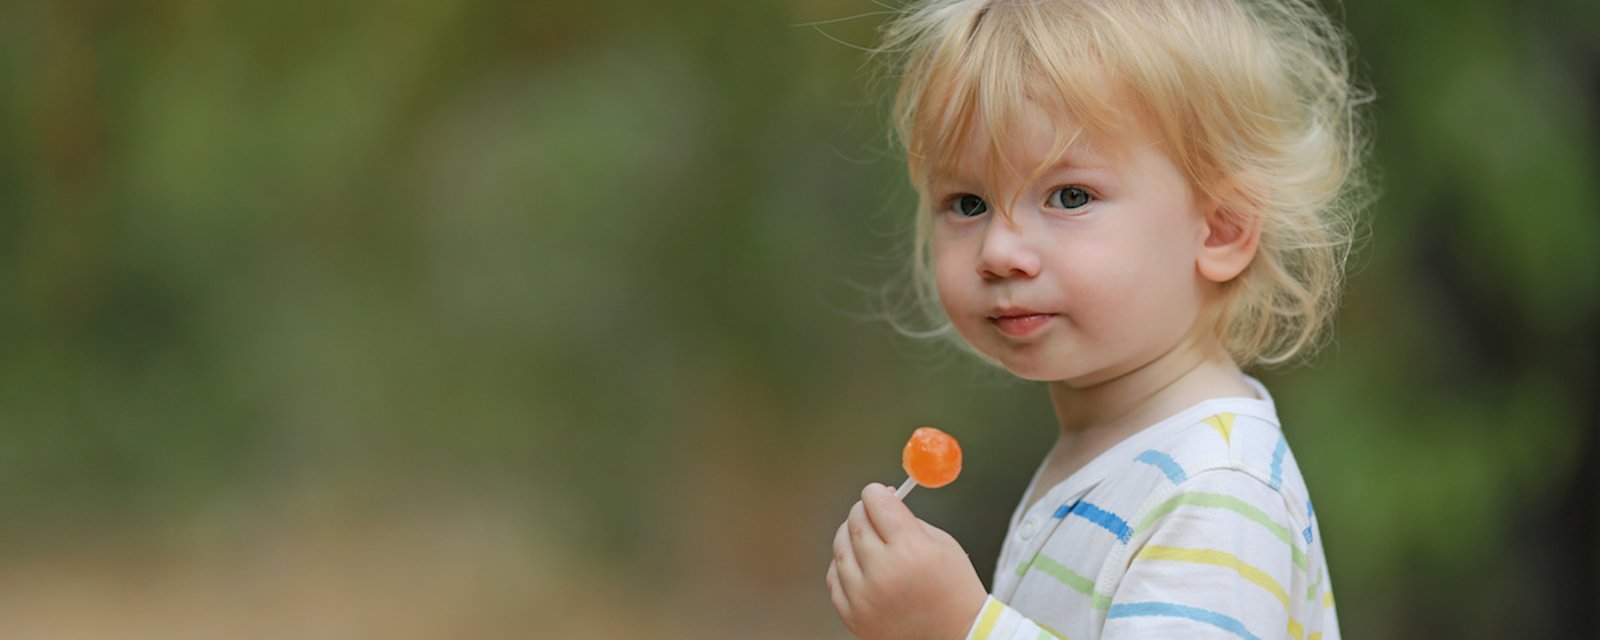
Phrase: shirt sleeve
(1214, 561)
(996, 621)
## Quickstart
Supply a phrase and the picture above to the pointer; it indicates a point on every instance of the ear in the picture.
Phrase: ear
(1231, 232)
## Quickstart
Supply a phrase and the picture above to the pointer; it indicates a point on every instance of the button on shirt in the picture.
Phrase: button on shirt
(1199, 525)
(1029, 528)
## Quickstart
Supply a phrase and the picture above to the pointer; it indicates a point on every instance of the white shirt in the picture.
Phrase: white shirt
(1199, 525)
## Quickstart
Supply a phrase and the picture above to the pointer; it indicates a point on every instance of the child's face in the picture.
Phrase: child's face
(1092, 273)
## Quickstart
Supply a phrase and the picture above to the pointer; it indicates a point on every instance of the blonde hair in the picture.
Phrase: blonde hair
(1253, 100)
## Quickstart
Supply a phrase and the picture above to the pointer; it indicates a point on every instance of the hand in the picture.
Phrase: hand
(894, 576)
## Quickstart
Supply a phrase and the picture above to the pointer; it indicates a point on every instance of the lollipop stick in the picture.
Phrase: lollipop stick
(905, 488)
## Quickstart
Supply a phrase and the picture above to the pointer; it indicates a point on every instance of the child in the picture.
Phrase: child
(1127, 200)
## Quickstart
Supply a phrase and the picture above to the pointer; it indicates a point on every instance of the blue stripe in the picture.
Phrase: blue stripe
(1065, 509)
(1310, 513)
(1171, 610)
(1165, 463)
(1117, 526)
(1277, 462)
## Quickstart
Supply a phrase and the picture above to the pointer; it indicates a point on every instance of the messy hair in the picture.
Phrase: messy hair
(1252, 99)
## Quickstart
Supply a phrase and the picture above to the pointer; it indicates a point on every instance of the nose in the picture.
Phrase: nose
(1006, 252)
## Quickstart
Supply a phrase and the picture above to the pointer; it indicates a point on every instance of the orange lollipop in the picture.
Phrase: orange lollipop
(932, 459)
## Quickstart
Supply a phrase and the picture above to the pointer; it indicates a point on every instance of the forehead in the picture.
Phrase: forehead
(1034, 137)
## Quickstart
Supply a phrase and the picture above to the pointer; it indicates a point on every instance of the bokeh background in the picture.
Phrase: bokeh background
(487, 319)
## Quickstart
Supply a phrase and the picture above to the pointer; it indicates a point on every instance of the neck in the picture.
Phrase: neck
(1184, 375)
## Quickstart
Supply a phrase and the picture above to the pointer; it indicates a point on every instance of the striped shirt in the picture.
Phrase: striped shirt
(1199, 526)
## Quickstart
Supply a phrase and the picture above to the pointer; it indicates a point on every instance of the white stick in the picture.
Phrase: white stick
(905, 488)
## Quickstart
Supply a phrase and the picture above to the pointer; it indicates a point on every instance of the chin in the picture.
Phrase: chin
(1032, 368)
(1034, 377)
(1057, 369)
(1052, 377)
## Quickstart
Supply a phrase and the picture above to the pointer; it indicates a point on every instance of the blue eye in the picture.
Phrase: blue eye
(970, 206)
(1069, 198)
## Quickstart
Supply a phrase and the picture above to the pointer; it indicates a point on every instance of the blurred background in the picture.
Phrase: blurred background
(481, 319)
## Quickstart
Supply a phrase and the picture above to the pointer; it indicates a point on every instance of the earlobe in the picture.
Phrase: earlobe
(1232, 233)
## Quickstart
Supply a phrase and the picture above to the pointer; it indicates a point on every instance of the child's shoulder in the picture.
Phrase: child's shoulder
(1228, 445)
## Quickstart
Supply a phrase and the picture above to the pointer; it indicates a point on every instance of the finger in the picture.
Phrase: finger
(843, 549)
(846, 568)
(890, 517)
(864, 537)
(841, 603)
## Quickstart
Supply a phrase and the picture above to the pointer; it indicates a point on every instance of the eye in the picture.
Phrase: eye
(970, 206)
(1069, 198)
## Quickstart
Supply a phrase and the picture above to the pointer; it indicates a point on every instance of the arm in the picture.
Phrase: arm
(999, 622)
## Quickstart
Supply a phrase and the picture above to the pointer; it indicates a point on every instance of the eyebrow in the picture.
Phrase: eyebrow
(1080, 159)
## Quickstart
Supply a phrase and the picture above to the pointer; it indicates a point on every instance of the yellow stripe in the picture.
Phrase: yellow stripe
(1221, 501)
(1295, 630)
(1221, 559)
(1315, 636)
(1327, 599)
(986, 621)
(1223, 423)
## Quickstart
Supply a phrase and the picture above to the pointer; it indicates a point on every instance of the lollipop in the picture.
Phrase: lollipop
(932, 459)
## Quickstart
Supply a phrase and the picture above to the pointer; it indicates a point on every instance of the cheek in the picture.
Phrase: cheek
(958, 300)
(1165, 299)
(1107, 266)
(1159, 250)
(960, 289)
(1130, 280)
(948, 269)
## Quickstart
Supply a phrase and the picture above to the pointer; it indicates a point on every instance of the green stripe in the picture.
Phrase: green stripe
(1221, 501)
(1311, 592)
(1072, 579)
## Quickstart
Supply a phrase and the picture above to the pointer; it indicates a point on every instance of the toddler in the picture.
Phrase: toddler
(1128, 200)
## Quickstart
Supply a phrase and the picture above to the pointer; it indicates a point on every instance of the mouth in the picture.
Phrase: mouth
(1018, 323)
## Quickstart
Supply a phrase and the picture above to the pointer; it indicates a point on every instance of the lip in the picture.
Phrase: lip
(1019, 323)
